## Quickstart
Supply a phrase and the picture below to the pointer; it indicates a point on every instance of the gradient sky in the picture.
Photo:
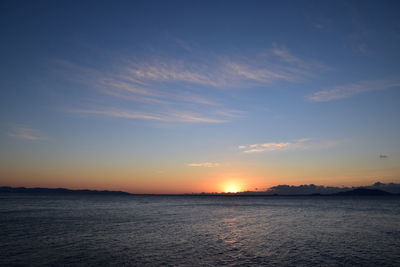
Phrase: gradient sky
(192, 96)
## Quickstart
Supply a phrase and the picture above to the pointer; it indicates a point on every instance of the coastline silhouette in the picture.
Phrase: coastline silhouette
(376, 189)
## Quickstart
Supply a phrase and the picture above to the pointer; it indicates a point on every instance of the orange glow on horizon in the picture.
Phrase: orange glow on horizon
(232, 187)
(178, 181)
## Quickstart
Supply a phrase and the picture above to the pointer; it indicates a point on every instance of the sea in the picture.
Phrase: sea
(108, 230)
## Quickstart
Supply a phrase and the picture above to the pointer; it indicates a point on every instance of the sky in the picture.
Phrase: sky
(199, 96)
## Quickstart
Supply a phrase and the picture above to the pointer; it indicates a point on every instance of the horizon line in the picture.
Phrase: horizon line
(193, 193)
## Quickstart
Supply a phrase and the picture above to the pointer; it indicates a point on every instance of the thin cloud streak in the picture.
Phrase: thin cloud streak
(23, 132)
(346, 91)
(256, 148)
(119, 114)
(221, 72)
(168, 70)
(204, 164)
(243, 72)
(196, 118)
(165, 117)
(162, 84)
(302, 143)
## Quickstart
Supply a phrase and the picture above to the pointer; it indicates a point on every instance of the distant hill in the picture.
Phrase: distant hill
(311, 189)
(307, 189)
(363, 192)
(38, 190)
(389, 187)
(377, 189)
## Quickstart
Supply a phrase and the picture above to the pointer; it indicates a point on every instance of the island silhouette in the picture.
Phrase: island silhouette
(376, 189)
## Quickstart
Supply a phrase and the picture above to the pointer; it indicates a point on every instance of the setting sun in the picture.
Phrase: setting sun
(232, 187)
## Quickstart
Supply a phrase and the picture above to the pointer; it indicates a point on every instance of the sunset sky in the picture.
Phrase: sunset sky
(193, 96)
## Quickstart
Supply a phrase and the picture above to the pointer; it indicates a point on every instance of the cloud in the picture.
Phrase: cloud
(363, 48)
(255, 148)
(349, 90)
(383, 156)
(186, 89)
(242, 72)
(302, 140)
(183, 44)
(165, 117)
(302, 143)
(190, 117)
(225, 71)
(193, 88)
(204, 164)
(284, 54)
(168, 102)
(295, 66)
(119, 114)
(277, 64)
(321, 22)
(23, 132)
(172, 70)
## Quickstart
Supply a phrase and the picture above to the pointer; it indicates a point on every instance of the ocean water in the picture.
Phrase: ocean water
(198, 231)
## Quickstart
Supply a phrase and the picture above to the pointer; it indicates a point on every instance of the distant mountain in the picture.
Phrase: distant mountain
(390, 187)
(307, 189)
(363, 192)
(311, 189)
(38, 190)
(376, 189)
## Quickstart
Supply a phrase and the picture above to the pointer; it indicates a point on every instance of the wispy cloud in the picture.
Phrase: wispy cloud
(172, 70)
(183, 44)
(349, 90)
(191, 117)
(256, 148)
(167, 101)
(186, 89)
(302, 143)
(23, 132)
(119, 114)
(165, 117)
(321, 22)
(242, 72)
(204, 164)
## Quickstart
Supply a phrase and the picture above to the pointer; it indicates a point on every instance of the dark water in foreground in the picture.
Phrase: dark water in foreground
(199, 231)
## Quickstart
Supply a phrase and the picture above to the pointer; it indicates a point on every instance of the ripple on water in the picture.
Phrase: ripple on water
(193, 231)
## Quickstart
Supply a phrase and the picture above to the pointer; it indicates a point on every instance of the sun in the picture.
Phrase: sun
(232, 187)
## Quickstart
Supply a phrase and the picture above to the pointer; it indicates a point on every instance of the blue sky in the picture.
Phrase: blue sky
(128, 94)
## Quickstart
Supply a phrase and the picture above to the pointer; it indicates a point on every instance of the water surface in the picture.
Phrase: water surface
(199, 230)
